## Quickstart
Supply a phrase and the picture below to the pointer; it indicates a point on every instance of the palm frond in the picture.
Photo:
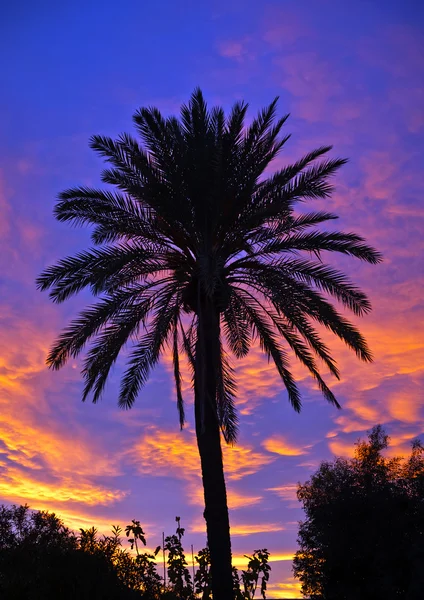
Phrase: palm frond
(269, 344)
(226, 392)
(290, 224)
(289, 296)
(318, 241)
(177, 374)
(146, 353)
(137, 300)
(320, 276)
(189, 343)
(99, 268)
(236, 327)
(305, 357)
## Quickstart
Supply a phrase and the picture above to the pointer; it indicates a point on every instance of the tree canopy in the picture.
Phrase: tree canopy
(192, 221)
(363, 536)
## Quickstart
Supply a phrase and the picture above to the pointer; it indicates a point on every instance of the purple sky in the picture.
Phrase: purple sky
(351, 74)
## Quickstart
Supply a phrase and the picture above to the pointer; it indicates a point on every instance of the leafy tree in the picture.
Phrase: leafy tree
(136, 573)
(41, 559)
(197, 250)
(149, 580)
(363, 536)
(202, 577)
(178, 574)
(258, 566)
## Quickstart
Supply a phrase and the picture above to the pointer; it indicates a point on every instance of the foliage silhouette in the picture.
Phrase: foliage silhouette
(258, 566)
(202, 578)
(196, 250)
(41, 559)
(363, 536)
(178, 574)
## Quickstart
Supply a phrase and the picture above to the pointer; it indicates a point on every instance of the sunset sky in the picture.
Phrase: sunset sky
(351, 74)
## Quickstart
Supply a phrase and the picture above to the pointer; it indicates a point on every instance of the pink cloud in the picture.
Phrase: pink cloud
(238, 50)
(282, 27)
(5, 211)
(312, 82)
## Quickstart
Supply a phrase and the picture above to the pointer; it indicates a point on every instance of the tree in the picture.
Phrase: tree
(198, 251)
(41, 559)
(179, 578)
(257, 566)
(363, 536)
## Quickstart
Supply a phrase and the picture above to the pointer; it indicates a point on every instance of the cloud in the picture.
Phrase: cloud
(285, 590)
(282, 28)
(313, 85)
(286, 492)
(167, 453)
(238, 50)
(340, 447)
(235, 498)
(16, 487)
(243, 529)
(5, 211)
(241, 499)
(45, 462)
(20, 236)
(252, 528)
(279, 445)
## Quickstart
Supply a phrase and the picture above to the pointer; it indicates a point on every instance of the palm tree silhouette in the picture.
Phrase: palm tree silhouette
(197, 250)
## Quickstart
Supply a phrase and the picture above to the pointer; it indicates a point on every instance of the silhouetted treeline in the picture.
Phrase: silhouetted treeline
(363, 537)
(42, 559)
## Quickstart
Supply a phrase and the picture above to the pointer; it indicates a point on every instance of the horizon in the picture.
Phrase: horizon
(349, 77)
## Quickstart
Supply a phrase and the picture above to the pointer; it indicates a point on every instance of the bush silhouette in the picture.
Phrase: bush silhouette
(363, 536)
(42, 559)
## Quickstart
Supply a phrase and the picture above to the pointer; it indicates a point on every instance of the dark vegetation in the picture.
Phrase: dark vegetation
(363, 537)
(42, 559)
(198, 251)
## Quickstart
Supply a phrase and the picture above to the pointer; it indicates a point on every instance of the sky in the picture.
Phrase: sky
(351, 74)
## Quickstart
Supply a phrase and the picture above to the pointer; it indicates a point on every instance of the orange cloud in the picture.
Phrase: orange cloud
(340, 447)
(286, 492)
(242, 529)
(279, 445)
(16, 487)
(240, 500)
(42, 462)
(251, 528)
(286, 590)
(173, 454)
(400, 441)
(162, 452)
(235, 499)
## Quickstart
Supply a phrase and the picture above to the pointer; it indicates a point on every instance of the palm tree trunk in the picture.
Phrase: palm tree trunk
(209, 444)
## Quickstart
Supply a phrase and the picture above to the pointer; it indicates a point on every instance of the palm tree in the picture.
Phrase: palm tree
(197, 251)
